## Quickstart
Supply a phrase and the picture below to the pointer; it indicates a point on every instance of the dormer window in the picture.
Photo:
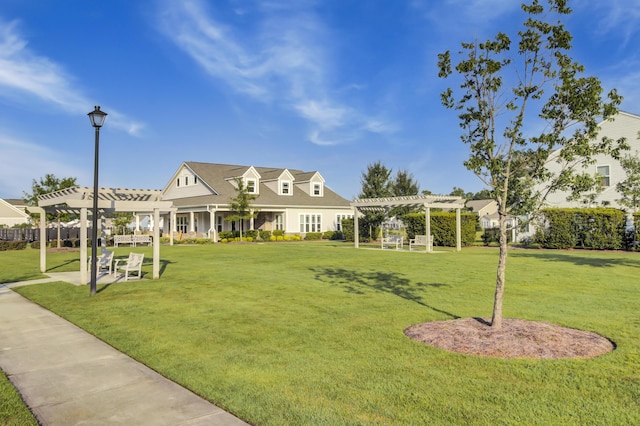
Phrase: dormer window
(317, 190)
(286, 188)
(251, 186)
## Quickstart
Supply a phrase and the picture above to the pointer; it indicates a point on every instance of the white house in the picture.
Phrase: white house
(286, 199)
(625, 125)
(12, 212)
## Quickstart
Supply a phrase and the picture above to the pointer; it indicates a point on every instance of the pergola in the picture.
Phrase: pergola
(79, 200)
(427, 201)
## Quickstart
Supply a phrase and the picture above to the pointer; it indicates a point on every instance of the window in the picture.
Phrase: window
(182, 224)
(251, 186)
(279, 222)
(178, 182)
(603, 174)
(286, 185)
(219, 223)
(317, 189)
(310, 223)
(186, 181)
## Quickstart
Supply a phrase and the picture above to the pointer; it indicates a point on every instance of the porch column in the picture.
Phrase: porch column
(356, 236)
(156, 244)
(172, 226)
(427, 218)
(191, 222)
(458, 230)
(213, 226)
(83, 246)
(137, 223)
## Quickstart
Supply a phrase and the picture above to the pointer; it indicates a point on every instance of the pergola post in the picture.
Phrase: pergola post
(43, 238)
(156, 243)
(172, 227)
(356, 228)
(458, 230)
(83, 246)
(427, 213)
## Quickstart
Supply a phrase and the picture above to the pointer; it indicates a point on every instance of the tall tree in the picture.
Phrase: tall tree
(403, 184)
(240, 205)
(49, 183)
(493, 116)
(375, 184)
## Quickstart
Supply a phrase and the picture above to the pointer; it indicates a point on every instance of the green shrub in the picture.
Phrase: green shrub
(265, 235)
(252, 233)
(13, 245)
(592, 228)
(492, 235)
(278, 232)
(313, 236)
(443, 227)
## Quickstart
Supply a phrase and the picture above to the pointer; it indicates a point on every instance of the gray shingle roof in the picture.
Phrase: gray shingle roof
(218, 176)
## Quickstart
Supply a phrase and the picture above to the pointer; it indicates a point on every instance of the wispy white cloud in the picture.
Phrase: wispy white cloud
(15, 176)
(23, 72)
(281, 59)
(621, 17)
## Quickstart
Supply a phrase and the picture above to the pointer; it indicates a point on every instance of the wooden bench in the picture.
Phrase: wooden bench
(132, 239)
(421, 240)
(392, 241)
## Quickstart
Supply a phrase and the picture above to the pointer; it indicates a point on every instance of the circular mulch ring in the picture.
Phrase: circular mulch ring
(516, 339)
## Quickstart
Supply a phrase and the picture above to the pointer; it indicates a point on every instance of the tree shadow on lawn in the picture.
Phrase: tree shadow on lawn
(577, 259)
(356, 282)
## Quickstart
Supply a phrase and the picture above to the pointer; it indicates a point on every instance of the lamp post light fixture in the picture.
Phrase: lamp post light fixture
(97, 118)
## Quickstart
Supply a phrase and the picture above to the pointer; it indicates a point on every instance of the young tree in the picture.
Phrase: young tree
(241, 204)
(512, 165)
(45, 185)
(630, 187)
(121, 220)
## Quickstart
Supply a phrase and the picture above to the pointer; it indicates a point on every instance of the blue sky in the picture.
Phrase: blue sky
(327, 85)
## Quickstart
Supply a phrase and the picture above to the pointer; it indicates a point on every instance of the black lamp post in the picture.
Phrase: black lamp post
(97, 118)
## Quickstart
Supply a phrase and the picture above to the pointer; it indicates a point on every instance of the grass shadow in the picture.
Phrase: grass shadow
(576, 258)
(356, 282)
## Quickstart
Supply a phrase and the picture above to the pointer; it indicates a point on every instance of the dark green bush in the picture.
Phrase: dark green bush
(592, 228)
(313, 236)
(251, 233)
(492, 235)
(443, 227)
(265, 235)
(13, 245)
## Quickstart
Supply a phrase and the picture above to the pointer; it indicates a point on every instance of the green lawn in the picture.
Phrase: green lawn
(312, 333)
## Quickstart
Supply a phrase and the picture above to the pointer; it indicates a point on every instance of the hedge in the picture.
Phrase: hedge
(13, 245)
(591, 228)
(443, 227)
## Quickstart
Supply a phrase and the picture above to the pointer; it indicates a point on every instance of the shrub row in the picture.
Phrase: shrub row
(443, 228)
(13, 245)
(591, 228)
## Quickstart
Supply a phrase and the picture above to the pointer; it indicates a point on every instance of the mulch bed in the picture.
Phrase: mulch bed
(516, 339)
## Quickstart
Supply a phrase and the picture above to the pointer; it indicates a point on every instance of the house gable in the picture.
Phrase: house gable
(11, 215)
(186, 183)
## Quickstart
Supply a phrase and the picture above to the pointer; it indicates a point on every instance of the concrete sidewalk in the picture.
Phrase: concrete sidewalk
(68, 377)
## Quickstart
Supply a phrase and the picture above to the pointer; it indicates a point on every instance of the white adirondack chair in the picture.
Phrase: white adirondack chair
(132, 264)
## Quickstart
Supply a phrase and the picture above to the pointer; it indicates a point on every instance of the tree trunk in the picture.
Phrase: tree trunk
(496, 319)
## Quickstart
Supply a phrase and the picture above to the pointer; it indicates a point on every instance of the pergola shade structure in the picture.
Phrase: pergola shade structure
(79, 200)
(445, 202)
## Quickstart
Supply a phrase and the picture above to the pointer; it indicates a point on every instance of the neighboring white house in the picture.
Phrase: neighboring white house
(625, 125)
(286, 199)
(12, 212)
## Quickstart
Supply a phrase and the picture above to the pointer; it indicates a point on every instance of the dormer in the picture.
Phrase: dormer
(251, 180)
(312, 183)
(285, 183)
